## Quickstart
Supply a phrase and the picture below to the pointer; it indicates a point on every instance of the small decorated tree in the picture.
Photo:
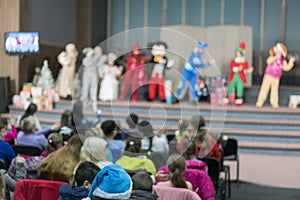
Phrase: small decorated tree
(45, 79)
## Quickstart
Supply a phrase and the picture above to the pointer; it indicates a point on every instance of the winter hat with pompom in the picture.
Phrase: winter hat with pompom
(112, 182)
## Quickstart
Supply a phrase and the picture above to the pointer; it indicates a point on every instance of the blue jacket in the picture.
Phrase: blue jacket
(6, 152)
(70, 192)
(195, 62)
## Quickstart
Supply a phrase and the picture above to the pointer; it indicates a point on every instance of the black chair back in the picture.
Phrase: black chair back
(214, 168)
(27, 150)
(230, 148)
(138, 171)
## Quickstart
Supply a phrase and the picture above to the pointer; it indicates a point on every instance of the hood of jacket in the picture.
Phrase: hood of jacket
(140, 194)
(68, 192)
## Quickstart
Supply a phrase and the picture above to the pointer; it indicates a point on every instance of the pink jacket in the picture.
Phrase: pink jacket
(275, 68)
(197, 175)
(170, 193)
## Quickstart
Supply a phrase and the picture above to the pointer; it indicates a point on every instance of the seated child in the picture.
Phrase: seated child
(176, 168)
(112, 182)
(84, 176)
(142, 187)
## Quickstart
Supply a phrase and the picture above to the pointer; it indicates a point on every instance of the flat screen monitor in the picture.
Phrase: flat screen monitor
(22, 42)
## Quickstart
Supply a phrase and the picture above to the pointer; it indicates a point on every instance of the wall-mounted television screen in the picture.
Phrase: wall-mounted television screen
(22, 42)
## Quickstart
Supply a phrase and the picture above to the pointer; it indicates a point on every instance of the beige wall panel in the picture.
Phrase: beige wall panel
(222, 41)
(10, 13)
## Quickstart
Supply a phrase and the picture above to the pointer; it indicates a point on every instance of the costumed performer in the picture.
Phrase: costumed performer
(67, 59)
(237, 78)
(92, 62)
(276, 62)
(110, 75)
(135, 73)
(160, 64)
(190, 73)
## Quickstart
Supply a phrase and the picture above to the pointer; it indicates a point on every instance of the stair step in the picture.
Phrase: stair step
(58, 112)
(268, 145)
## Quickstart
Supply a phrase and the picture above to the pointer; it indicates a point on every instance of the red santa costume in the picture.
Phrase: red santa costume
(135, 73)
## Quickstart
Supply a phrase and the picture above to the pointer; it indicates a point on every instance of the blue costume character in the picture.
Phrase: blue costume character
(190, 73)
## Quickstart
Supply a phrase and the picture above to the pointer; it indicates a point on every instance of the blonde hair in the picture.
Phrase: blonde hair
(59, 165)
(93, 150)
(28, 124)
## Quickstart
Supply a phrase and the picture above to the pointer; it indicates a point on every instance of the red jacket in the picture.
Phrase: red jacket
(241, 73)
(214, 150)
(28, 189)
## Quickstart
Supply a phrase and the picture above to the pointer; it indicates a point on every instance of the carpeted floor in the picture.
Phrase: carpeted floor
(249, 191)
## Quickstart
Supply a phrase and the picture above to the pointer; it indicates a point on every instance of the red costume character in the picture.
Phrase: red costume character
(135, 73)
(237, 77)
(160, 63)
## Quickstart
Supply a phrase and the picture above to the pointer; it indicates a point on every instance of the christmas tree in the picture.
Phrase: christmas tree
(45, 79)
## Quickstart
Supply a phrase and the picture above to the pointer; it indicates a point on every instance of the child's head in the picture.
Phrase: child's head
(142, 181)
(197, 122)
(65, 118)
(112, 182)
(31, 109)
(145, 128)
(55, 141)
(183, 124)
(132, 120)
(176, 167)
(28, 125)
(109, 128)
(188, 149)
(133, 145)
(85, 174)
(93, 150)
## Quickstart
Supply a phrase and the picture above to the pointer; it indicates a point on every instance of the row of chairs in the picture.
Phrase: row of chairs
(42, 189)
(215, 167)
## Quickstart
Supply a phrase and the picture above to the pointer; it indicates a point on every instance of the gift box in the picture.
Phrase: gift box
(27, 87)
(36, 91)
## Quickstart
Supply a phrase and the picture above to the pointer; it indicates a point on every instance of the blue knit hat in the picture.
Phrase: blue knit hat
(112, 182)
(202, 45)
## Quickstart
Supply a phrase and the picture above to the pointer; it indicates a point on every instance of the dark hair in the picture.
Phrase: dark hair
(176, 165)
(108, 127)
(2, 125)
(146, 128)
(188, 149)
(65, 118)
(132, 120)
(133, 146)
(142, 181)
(31, 110)
(86, 171)
(197, 122)
(54, 142)
(200, 136)
(4, 121)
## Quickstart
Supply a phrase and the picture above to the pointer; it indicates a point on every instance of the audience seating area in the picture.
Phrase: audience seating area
(245, 131)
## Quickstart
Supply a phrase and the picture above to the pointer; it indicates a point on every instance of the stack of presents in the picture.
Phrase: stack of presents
(43, 98)
(214, 89)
